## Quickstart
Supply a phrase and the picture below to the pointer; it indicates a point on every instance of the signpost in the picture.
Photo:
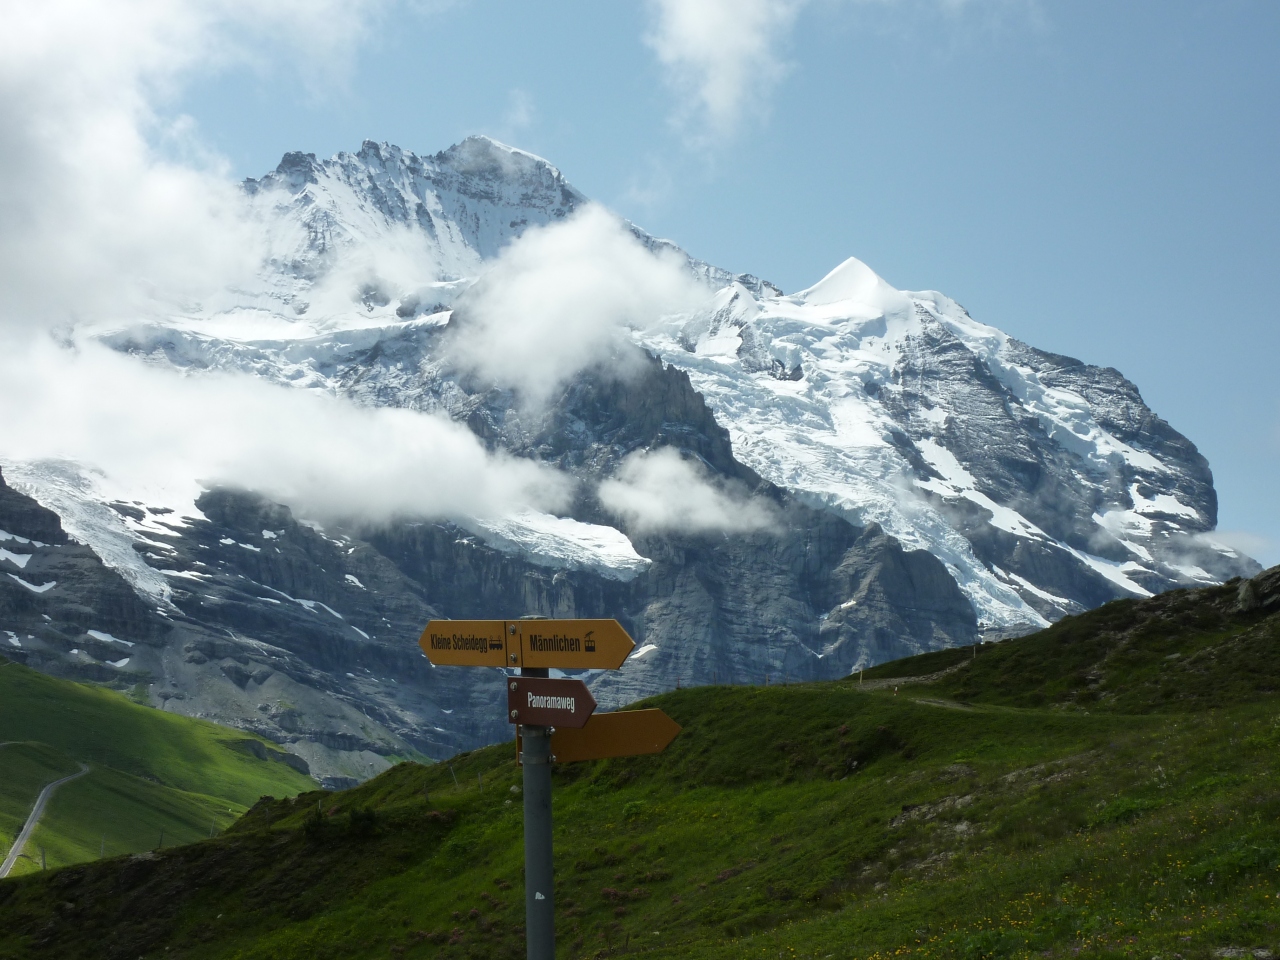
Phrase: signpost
(557, 723)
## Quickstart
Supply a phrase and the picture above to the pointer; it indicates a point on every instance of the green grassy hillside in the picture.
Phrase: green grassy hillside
(150, 771)
(1186, 650)
(106, 813)
(1008, 808)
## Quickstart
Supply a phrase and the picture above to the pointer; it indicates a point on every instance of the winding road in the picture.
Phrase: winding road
(34, 820)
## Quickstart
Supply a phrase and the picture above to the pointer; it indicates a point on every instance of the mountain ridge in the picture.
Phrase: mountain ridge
(938, 481)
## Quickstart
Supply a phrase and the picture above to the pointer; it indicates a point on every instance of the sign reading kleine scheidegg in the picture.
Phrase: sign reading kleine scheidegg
(466, 643)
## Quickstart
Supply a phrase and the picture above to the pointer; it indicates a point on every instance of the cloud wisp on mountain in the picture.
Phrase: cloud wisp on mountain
(660, 490)
(102, 229)
(96, 221)
(150, 426)
(559, 299)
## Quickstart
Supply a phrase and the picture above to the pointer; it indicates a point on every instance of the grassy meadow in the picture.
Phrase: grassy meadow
(151, 773)
(1027, 803)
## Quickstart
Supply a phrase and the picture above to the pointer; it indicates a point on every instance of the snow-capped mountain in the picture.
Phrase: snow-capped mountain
(937, 481)
(1045, 485)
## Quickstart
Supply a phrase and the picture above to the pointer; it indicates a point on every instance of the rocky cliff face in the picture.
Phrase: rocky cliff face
(934, 480)
(61, 609)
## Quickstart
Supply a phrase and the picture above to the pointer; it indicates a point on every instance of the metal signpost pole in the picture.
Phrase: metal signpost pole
(543, 707)
(539, 892)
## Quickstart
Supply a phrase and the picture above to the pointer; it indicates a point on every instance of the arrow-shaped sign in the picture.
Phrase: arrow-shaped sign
(466, 643)
(538, 702)
(572, 644)
(627, 733)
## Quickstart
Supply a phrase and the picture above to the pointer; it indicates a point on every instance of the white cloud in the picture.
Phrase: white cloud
(521, 112)
(557, 300)
(1242, 541)
(149, 426)
(395, 264)
(96, 224)
(660, 490)
(652, 188)
(93, 221)
(722, 56)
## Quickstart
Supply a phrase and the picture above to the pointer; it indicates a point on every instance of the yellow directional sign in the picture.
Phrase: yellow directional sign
(627, 733)
(572, 644)
(624, 734)
(567, 644)
(467, 643)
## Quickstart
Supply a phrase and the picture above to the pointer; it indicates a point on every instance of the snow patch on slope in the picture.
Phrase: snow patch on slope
(564, 543)
(1065, 416)
(79, 497)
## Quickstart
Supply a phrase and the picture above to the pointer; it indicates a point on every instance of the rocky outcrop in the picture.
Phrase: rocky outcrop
(1259, 593)
(25, 518)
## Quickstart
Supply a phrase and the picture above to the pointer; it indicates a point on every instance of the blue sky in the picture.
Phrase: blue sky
(1097, 179)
